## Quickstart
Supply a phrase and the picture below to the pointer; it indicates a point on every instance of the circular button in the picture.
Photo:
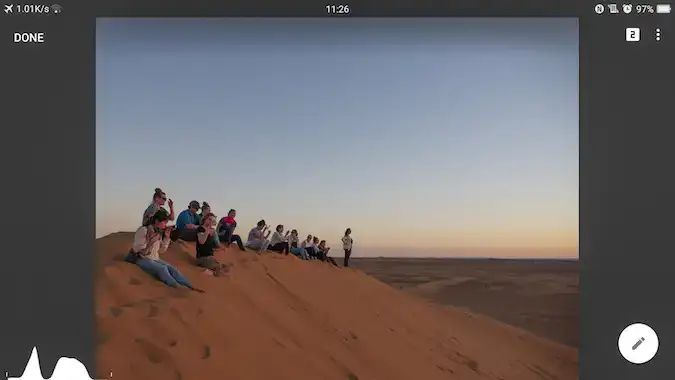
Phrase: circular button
(638, 343)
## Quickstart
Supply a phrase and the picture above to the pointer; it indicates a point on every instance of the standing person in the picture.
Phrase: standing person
(347, 243)
(257, 239)
(158, 201)
(293, 240)
(206, 245)
(149, 242)
(187, 223)
(225, 229)
(279, 241)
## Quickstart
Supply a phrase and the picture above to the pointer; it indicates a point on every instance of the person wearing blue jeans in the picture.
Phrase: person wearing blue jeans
(150, 241)
(165, 272)
(297, 251)
(300, 252)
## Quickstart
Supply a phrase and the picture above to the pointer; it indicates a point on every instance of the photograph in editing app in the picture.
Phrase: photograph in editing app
(385, 199)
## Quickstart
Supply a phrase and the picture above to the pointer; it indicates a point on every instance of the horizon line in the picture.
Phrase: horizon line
(575, 248)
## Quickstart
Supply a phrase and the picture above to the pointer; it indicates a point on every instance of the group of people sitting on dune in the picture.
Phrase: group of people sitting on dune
(155, 235)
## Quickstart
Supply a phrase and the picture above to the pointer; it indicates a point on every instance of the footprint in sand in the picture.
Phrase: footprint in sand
(154, 311)
(103, 337)
(115, 311)
(177, 314)
(207, 352)
(154, 353)
(350, 375)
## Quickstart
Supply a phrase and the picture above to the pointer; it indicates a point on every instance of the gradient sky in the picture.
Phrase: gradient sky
(444, 134)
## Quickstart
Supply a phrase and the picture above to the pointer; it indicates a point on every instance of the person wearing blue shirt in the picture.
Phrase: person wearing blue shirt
(187, 223)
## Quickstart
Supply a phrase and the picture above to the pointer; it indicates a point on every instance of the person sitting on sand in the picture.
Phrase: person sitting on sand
(293, 239)
(307, 246)
(317, 253)
(279, 241)
(324, 252)
(187, 223)
(347, 243)
(297, 251)
(206, 245)
(206, 209)
(149, 242)
(257, 239)
(315, 247)
(158, 201)
(226, 228)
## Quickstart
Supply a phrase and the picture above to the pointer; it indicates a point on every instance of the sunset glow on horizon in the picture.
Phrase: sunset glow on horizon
(455, 136)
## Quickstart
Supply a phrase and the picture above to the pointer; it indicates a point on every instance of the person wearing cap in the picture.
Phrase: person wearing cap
(187, 223)
(149, 242)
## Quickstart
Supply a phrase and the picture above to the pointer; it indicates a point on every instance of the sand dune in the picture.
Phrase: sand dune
(279, 318)
(540, 296)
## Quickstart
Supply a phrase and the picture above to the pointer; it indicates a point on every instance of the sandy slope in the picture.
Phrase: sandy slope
(279, 318)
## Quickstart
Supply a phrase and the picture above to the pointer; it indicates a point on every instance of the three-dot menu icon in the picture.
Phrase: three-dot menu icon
(658, 34)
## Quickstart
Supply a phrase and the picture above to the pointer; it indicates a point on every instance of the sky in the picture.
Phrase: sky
(426, 137)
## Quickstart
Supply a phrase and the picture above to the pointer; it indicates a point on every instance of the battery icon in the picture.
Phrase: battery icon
(662, 8)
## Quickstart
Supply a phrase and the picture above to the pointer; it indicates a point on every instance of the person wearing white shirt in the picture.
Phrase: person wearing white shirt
(307, 246)
(257, 237)
(347, 243)
(316, 250)
(279, 241)
(149, 242)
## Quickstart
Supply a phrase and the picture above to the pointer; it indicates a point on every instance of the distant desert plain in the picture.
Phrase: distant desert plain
(541, 296)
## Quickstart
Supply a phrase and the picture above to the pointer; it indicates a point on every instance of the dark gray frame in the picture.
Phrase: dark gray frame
(48, 158)
(626, 206)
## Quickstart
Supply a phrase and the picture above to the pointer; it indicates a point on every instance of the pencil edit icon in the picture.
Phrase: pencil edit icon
(638, 343)
(66, 369)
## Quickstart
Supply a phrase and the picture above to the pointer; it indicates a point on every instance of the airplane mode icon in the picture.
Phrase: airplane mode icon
(9, 8)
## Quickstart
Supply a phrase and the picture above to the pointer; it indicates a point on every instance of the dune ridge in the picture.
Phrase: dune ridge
(275, 317)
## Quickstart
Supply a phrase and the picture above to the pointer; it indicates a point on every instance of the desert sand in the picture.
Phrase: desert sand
(541, 296)
(277, 317)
